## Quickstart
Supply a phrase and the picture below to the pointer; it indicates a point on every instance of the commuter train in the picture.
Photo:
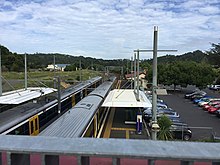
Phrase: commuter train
(85, 119)
(32, 117)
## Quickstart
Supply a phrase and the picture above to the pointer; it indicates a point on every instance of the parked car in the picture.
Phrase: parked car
(197, 96)
(215, 87)
(196, 92)
(147, 114)
(181, 131)
(212, 109)
(207, 101)
(213, 103)
(161, 105)
(217, 113)
(197, 100)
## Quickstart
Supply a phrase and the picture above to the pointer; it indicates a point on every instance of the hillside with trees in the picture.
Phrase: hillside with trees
(15, 62)
(192, 68)
(41, 60)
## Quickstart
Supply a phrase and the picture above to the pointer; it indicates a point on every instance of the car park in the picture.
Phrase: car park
(202, 124)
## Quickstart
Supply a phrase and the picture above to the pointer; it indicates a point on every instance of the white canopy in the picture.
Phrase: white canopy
(126, 98)
(20, 96)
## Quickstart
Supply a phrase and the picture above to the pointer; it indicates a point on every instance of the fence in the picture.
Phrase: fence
(20, 149)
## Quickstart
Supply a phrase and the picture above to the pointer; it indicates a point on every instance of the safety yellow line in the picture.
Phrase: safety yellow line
(127, 134)
(118, 85)
(123, 129)
(109, 124)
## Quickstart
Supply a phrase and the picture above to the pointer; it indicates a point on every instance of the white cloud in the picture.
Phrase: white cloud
(108, 29)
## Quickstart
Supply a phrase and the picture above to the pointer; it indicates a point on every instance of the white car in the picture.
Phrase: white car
(216, 87)
(208, 101)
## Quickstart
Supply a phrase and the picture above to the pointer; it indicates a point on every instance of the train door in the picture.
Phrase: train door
(34, 126)
(95, 126)
(73, 101)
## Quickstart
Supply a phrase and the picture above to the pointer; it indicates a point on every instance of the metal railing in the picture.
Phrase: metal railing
(19, 150)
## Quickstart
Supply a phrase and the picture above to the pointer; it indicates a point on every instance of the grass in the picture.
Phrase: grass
(15, 80)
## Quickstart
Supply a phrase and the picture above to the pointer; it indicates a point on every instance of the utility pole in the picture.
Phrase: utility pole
(127, 66)
(54, 70)
(80, 67)
(135, 73)
(122, 73)
(132, 73)
(154, 125)
(25, 71)
(154, 94)
(138, 72)
(0, 72)
(58, 95)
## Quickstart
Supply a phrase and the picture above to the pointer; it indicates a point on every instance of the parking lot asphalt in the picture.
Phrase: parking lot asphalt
(202, 124)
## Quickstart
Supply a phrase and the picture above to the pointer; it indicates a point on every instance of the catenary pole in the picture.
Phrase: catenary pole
(154, 94)
(138, 72)
(155, 126)
(132, 73)
(135, 73)
(25, 71)
(0, 72)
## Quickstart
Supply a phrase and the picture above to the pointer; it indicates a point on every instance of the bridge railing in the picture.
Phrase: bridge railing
(19, 150)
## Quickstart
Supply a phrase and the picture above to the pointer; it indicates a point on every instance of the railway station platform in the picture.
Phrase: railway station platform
(117, 127)
(125, 118)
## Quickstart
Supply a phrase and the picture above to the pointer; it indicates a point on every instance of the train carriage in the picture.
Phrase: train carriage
(85, 118)
(31, 118)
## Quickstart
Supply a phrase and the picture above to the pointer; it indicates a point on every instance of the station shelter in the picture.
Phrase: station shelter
(127, 98)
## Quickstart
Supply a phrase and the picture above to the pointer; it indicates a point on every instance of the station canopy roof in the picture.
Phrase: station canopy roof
(126, 98)
(22, 95)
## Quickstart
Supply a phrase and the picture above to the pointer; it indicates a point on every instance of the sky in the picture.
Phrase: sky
(108, 29)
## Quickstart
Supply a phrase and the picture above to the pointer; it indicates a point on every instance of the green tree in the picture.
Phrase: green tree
(164, 124)
(71, 67)
(185, 73)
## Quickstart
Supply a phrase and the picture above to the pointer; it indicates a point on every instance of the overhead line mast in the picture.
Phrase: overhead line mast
(155, 126)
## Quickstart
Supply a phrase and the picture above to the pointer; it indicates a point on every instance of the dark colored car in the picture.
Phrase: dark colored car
(217, 113)
(196, 92)
(181, 131)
